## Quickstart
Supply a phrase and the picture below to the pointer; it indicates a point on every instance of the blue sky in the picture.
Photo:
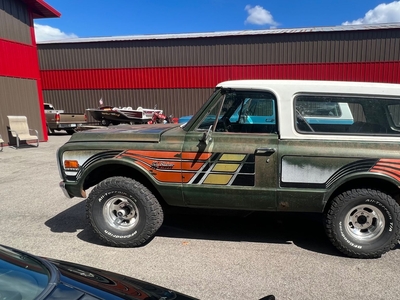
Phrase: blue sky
(99, 18)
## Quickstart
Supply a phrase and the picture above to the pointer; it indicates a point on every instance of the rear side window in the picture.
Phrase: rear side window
(394, 112)
(313, 109)
(347, 115)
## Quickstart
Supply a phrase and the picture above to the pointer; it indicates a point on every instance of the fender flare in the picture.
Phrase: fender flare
(335, 186)
(112, 161)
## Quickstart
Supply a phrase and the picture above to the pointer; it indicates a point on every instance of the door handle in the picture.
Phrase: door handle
(265, 151)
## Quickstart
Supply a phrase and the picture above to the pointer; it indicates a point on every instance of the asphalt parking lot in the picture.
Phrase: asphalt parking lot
(206, 256)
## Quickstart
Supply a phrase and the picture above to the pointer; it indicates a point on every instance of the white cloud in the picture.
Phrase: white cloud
(259, 16)
(47, 33)
(383, 13)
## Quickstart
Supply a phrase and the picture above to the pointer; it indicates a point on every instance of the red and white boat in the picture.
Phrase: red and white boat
(107, 115)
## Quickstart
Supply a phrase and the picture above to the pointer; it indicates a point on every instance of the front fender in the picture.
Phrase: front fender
(121, 162)
(100, 170)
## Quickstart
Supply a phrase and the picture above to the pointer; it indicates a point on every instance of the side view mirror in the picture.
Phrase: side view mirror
(206, 138)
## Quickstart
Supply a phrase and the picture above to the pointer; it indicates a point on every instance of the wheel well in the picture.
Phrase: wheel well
(99, 174)
(366, 183)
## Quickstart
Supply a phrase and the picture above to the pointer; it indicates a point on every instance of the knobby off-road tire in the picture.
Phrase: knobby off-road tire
(363, 223)
(123, 212)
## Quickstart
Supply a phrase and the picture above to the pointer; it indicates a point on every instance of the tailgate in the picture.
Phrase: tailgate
(72, 118)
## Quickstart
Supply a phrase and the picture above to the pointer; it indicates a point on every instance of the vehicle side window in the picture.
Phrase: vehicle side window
(243, 112)
(394, 113)
(346, 115)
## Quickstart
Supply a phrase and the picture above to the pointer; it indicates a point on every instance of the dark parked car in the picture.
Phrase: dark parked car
(25, 276)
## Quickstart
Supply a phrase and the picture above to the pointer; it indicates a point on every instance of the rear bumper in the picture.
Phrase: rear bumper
(69, 125)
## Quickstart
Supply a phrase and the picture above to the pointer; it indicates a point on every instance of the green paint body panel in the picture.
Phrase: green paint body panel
(231, 170)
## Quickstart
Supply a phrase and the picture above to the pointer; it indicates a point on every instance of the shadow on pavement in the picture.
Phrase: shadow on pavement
(71, 220)
(61, 132)
(74, 220)
(23, 145)
(304, 230)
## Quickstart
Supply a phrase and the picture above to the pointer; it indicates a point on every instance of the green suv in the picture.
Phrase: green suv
(256, 145)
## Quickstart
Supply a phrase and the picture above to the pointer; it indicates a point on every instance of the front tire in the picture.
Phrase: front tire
(363, 223)
(123, 212)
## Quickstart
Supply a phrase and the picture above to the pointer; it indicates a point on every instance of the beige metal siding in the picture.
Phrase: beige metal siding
(14, 21)
(177, 102)
(19, 97)
(320, 47)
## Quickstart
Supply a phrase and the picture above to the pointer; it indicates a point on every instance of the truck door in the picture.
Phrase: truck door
(229, 157)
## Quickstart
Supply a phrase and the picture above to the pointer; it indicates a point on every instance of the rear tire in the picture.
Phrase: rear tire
(363, 223)
(70, 131)
(123, 212)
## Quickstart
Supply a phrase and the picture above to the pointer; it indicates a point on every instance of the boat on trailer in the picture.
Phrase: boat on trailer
(107, 115)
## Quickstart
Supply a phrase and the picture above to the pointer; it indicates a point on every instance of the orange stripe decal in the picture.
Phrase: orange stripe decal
(195, 155)
(390, 167)
(153, 154)
(166, 166)
(195, 168)
(172, 177)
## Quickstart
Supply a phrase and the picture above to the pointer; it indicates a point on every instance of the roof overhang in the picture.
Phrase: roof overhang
(41, 9)
(227, 33)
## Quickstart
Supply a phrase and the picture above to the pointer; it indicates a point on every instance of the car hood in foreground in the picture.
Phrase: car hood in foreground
(96, 281)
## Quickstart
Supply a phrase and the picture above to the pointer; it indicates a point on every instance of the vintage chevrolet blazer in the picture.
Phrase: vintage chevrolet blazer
(257, 145)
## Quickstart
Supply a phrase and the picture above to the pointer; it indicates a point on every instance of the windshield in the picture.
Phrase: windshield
(21, 276)
(205, 107)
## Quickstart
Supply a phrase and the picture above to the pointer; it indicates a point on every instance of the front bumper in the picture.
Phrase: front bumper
(72, 189)
(62, 186)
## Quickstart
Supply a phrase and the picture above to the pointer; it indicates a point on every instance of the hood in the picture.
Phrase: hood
(116, 284)
(124, 132)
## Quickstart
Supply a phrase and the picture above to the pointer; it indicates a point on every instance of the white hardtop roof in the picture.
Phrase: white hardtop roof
(318, 86)
(286, 90)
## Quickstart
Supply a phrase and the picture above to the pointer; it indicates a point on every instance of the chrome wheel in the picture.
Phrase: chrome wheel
(365, 223)
(121, 213)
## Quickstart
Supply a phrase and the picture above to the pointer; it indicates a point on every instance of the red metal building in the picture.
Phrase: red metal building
(20, 84)
(178, 71)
